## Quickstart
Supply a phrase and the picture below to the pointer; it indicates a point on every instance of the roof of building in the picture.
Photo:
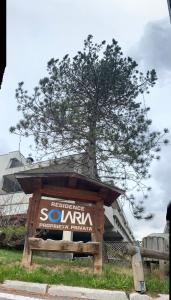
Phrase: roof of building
(30, 182)
(158, 235)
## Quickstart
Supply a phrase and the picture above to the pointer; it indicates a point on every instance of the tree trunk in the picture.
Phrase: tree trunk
(92, 164)
(91, 149)
(91, 145)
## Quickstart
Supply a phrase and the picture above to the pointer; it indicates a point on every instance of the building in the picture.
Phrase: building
(3, 39)
(13, 202)
(157, 242)
(169, 7)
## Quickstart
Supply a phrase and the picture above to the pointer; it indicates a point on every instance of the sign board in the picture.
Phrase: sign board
(54, 215)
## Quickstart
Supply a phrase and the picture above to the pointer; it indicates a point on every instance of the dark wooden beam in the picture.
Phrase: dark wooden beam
(70, 194)
(72, 182)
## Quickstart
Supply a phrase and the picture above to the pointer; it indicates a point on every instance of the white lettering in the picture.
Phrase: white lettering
(87, 217)
(55, 226)
(68, 216)
(81, 228)
(77, 216)
(44, 213)
(72, 217)
(67, 206)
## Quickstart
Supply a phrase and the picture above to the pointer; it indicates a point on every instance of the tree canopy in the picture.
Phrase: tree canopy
(90, 103)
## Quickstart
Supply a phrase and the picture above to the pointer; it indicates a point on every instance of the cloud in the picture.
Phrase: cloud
(161, 176)
(154, 47)
(144, 228)
(4, 147)
(158, 198)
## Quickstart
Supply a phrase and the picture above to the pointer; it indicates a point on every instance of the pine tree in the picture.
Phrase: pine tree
(90, 104)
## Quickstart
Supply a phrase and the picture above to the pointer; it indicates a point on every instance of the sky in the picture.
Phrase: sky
(38, 30)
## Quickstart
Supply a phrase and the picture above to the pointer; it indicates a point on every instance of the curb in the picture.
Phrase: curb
(75, 292)
(85, 293)
(136, 296)
(39, 288)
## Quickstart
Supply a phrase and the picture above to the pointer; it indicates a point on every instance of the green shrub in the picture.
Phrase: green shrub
(10, 231)
(14, 236)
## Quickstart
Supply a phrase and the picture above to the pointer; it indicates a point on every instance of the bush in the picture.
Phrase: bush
(14, 236)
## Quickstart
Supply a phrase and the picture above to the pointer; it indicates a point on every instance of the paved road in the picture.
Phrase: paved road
(6, 296)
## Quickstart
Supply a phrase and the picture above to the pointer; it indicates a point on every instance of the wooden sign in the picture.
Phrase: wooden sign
(55, 215)
(64, 216)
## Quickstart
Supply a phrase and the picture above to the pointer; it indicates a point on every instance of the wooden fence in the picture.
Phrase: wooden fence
(137, 253)
(127, 252)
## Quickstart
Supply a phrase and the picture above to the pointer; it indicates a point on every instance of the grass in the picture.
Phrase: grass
(76, 273)
(156, 284)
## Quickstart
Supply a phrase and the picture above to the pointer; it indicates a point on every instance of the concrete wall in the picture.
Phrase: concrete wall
(5, 165)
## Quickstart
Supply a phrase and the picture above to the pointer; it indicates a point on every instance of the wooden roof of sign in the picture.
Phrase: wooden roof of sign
(68, 185)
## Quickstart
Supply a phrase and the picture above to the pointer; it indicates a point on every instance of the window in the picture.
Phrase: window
(14, 162)
(10, 186)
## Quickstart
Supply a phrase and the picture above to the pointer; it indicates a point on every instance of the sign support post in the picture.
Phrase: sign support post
(31, 229)
(98, 237)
